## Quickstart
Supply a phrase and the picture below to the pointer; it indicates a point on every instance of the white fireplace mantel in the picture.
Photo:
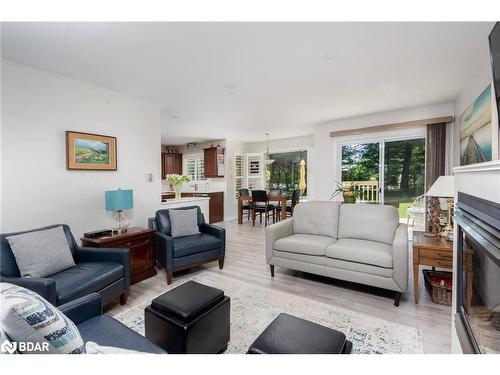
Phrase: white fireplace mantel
(481, 180)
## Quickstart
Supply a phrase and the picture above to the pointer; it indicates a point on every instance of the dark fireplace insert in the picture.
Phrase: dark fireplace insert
(478, 229)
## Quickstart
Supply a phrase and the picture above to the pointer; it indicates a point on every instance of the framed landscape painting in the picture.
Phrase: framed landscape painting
(85, 151)
(475, 130)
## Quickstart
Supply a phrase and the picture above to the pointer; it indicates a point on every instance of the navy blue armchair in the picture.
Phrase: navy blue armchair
(106, 271)
(179, 253)
(86, 313)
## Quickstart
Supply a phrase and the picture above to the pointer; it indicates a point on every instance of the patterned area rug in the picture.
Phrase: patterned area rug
(254, 307)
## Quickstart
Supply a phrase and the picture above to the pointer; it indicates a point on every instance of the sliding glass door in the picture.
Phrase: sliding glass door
(386, 172)
(361, 170)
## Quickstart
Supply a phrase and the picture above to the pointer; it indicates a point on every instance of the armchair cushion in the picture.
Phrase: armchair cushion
(41, 253)
(361, 251)
(163, 219)
(86, 278)
(195, 244)
(183, 222)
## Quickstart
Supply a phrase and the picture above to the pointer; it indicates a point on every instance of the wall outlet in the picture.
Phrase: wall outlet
(149, 177)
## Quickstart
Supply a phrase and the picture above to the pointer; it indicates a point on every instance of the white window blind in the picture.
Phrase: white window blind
(239, 173)
(194, 167)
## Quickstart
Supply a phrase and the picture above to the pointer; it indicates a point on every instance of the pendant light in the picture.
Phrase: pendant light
(267, 160)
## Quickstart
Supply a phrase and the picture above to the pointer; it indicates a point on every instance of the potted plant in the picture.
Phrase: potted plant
(176, 181)
(349, 193)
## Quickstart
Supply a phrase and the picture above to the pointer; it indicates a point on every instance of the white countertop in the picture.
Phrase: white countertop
(184, 200)
(192, 192)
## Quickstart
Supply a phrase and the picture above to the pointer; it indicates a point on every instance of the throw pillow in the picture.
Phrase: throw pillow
(183, 222)
(93, 348)
(41, 253)
(26, 317)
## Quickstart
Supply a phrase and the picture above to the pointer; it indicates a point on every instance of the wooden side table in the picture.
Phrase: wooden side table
(140, 242)
(437, 252)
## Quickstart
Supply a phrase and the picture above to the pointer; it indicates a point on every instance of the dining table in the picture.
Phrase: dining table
(271, 198)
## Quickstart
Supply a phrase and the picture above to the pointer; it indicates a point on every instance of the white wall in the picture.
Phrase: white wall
(326, 154)
(37, 190)
(479, 80)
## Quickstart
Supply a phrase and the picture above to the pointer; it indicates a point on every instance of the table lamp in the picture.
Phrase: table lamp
(444, 187)
(117, 201)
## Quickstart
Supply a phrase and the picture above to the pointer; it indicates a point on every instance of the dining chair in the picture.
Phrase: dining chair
(275, 192)
(290, 205)
(247, 205)
(260, 204)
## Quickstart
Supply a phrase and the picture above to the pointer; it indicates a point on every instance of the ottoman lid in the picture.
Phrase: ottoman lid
(288, 334)
(187, 300)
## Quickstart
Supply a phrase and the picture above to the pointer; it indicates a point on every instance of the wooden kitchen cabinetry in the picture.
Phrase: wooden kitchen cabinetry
(216, 207)
(213, 162)
(171, 163)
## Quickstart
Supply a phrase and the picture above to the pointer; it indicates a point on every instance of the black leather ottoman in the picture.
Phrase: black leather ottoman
(192, 318)
(288, 334)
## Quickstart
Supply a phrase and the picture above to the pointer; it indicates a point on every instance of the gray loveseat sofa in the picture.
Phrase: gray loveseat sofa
(361, 243)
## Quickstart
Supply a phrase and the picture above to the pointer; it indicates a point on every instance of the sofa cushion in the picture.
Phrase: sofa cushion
(359, 268)
(304, 244)
(195, 244)
(361, 251)
(316, 217)
(28, 317)
(41, 253)
(107, 331)
(372, 222)
(85, 278)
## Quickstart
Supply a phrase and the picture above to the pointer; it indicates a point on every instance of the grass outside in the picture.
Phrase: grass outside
(403, 206)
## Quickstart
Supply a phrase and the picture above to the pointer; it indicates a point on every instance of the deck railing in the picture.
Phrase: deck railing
(369, 190)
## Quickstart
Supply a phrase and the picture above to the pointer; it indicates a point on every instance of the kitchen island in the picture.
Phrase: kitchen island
(202, 202)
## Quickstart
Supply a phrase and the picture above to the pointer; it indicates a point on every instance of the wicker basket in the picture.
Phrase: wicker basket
(439, 286)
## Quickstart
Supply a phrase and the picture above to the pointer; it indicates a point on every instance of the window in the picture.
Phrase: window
(285, 172)
(194, 167)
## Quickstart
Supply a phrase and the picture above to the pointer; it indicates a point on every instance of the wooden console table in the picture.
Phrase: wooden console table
(437, 252)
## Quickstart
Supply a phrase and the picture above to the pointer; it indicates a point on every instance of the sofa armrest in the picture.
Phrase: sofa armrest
(116, 255)
(276, 231)
(164, 250)
(82, 309)
(218, 232)
(400, 256)
(44, 286)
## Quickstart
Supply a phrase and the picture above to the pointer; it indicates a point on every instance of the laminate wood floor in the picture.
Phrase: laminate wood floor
(245, 260)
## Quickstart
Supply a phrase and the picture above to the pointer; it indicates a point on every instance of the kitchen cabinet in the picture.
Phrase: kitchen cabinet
(214, 162)
(215, 205)
(171, 163)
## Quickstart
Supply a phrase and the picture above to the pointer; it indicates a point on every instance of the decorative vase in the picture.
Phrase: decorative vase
(177, 190)
(349, 197)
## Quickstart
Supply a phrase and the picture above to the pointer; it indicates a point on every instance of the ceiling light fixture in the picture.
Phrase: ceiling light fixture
(267, 160)
(230, 87)
(175, 117)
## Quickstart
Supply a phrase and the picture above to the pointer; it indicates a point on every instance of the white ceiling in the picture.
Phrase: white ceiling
(242, 79)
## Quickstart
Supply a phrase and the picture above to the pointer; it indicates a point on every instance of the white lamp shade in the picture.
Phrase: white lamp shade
(443, 187)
